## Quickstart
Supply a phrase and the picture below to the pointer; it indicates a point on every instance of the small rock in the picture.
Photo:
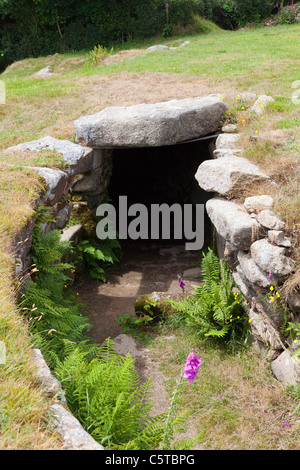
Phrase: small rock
(185, 43)
(268, 219)
(271, 258)
(72, 234)
(258, 203)
(246, 96)
(263, 329)
(227, 141)
(125, 344)
(252, 271)
(230, 128)
(157, 47)
(261, 103)
(46, 72)
(56, 181)
(278, 237)
(219, 153)
(286, 368)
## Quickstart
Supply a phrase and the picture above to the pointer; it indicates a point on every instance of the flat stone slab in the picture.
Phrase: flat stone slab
(232, 222)
(77, 158)
(151, 125)
(222, 175)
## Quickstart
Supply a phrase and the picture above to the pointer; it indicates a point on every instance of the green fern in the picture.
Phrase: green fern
(215, 309)
(98, 255)
(105, 395)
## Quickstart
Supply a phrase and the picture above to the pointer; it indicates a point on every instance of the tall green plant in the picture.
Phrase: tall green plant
(215, 309)
(106, 397)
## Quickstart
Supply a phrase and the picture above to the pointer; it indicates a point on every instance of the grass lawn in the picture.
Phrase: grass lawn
(232, 392)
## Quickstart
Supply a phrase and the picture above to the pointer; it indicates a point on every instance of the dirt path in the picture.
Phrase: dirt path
(144, 269)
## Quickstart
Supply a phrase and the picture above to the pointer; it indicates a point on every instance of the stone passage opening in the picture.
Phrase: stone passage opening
(160, 175)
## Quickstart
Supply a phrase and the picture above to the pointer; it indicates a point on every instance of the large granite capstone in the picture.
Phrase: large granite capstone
(151, 125)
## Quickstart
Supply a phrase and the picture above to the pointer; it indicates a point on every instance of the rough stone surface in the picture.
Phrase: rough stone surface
(286, 368)
(263, 329)
(269, 220)
(151, 125)
(258, 203)
(161, 47)
(192, 273)
(271, 258)
(73, 435)
(260, 104)
(246, 96)
(72, 234)
(158, 47)
(56, 181)
(46, 71)
(232, 222)
(219, 153)
(223, 175)
(76, 158)
(253, 272)
(277, 237)
(230, 128)
(88, 183)
(243, 283)
(44, 376)
(227, 141)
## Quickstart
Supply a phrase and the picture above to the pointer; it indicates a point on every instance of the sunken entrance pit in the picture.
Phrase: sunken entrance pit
(156, 149)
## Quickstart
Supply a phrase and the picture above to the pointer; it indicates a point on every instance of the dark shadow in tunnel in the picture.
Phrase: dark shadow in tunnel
(160, 175)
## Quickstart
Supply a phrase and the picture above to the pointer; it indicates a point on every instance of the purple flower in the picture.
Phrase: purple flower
(181, 283)
(192, 365)
(167, 5)
(270, 275)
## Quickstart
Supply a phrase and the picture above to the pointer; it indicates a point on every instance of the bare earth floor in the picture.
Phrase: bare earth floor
(144, 269)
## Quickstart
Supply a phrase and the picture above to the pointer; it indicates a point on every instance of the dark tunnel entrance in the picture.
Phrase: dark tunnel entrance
(161, 175)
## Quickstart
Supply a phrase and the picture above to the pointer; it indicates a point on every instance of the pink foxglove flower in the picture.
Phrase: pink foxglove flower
(192, 365)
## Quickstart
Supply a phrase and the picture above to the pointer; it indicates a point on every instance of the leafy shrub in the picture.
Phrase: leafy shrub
(98, 255)
(97, 54)
(288, 15)
(215, 310)
(104, 394)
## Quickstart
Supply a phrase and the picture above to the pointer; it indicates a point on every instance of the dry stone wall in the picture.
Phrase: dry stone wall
(251, 238)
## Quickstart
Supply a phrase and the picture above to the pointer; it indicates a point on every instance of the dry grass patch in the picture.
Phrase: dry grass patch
(23, 407)
(237, 403)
